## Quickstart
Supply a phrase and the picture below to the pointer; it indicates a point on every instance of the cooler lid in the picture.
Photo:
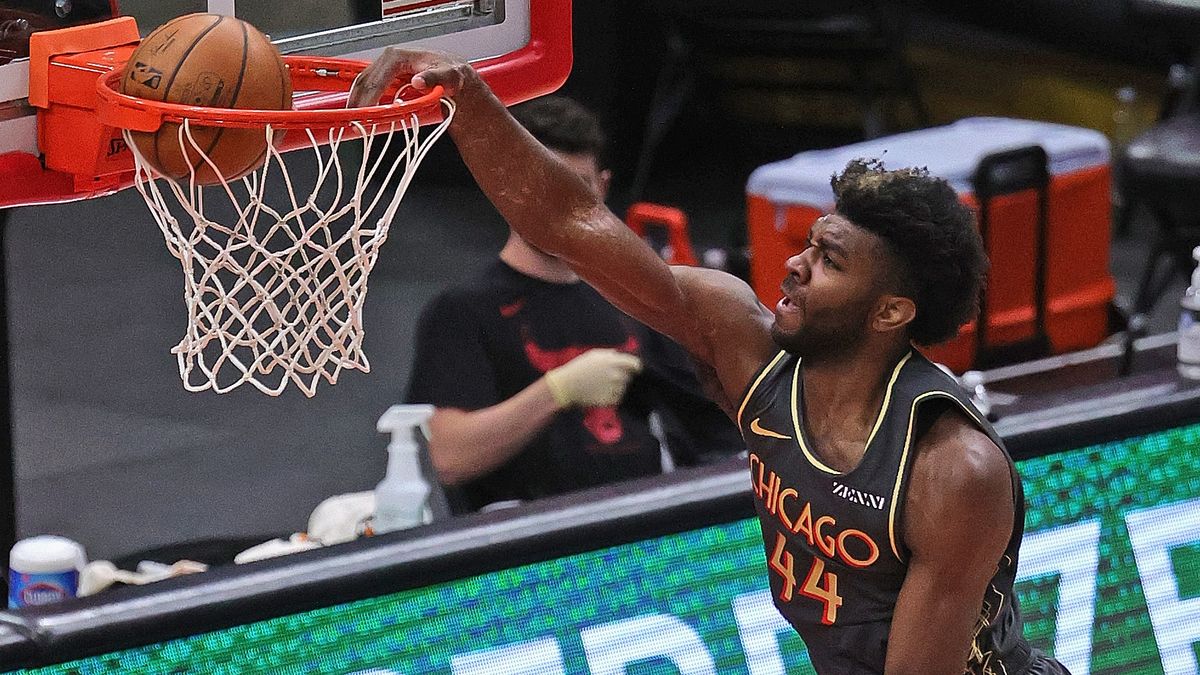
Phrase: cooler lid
(951, 152)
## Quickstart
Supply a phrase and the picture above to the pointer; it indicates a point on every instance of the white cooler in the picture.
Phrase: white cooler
(784, 198)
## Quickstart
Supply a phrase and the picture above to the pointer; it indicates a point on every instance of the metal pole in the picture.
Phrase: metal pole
(8, 465)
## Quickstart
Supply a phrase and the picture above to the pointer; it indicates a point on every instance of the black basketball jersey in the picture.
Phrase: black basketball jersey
(835, 553)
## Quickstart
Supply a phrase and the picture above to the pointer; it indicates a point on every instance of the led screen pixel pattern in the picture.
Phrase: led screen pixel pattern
(1110, 573)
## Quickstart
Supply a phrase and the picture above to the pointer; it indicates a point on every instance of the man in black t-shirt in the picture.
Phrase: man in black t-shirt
(541, 386)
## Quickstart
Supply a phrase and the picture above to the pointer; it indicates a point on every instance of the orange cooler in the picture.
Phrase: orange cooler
(784, 198)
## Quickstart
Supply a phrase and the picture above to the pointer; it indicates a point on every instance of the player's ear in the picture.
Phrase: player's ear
(893, 312)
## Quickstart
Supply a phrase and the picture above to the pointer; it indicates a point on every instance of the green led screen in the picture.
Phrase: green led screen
(1109, 581)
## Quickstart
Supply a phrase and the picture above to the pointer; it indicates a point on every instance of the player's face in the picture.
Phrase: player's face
(586, 166)
(830, 291)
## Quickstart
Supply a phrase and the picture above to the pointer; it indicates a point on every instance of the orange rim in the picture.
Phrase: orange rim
(332, 77)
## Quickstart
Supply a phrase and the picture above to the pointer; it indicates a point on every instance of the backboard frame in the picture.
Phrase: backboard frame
(522, 48)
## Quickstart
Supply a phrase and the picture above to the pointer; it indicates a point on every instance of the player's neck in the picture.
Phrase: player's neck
(531, 262)
(849, 390)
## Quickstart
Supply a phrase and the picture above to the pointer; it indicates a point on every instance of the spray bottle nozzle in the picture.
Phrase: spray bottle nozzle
(401, 417)
(405, 417)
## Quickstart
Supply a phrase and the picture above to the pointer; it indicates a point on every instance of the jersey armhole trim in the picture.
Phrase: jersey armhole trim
(903, 468)
(762, 374)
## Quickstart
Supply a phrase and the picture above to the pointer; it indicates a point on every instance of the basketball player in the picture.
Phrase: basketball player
(890, 511)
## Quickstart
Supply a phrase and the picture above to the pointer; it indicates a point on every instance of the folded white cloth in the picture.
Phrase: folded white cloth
(100, 574)
(336, 520)
(277, 547)
(342, 518)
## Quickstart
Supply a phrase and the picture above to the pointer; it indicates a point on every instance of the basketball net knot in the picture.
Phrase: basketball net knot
(275, 274)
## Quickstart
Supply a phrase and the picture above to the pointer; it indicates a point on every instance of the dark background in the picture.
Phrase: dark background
(111, 450)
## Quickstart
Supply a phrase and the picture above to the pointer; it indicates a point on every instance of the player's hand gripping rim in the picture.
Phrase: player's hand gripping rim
(427, 68)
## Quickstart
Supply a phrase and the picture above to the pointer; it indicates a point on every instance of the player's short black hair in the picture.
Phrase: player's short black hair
(563, 125)
(943, 266)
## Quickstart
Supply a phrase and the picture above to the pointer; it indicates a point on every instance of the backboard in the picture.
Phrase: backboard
(522, 47)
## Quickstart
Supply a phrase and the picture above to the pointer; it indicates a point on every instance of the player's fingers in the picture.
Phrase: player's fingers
(431, 69)
(426, 69)
(451, 79)
(370, 84)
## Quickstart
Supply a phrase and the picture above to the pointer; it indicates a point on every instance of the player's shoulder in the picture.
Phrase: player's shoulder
(957, 456)
(961, 498)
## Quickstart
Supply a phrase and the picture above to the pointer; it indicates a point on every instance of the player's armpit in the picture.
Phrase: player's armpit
(710, 384)
(958, 521)
(734, 324)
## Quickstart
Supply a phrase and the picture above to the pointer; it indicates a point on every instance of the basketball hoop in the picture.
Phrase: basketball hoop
(275, 279)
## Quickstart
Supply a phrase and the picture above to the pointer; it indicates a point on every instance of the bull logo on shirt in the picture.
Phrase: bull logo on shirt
(603, 423)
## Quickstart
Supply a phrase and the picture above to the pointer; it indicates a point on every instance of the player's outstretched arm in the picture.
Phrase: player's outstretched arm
(958, 520)
(553, 210)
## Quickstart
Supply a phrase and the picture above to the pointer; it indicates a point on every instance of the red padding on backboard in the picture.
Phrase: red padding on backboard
(538, 68)
(549, 53)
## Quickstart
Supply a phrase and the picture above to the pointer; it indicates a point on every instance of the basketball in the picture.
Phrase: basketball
(207, 60)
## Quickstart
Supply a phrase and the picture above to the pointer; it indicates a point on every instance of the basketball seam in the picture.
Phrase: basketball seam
(146, 134)
(283, 96)
(285, 93)
(171, 82)
(237, 89)
(285, 85)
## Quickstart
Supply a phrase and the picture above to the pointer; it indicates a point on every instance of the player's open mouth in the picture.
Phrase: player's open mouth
(788, 303)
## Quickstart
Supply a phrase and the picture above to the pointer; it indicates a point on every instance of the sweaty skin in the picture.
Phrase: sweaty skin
(960, 501)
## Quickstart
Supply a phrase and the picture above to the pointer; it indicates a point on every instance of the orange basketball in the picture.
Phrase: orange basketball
(208, 60)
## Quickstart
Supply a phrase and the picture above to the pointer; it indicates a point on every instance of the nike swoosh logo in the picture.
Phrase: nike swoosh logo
(758, 429)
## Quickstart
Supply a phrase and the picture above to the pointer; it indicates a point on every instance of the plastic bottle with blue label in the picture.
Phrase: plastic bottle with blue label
(1189, 325)
(43, 570)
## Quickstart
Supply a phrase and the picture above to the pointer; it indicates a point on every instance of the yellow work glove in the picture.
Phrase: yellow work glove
(595, 378)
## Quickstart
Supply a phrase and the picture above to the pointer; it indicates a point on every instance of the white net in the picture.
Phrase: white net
(275, 268)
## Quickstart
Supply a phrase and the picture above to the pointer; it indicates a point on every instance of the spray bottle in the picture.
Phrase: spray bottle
(400, 497)
(1189, 325)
